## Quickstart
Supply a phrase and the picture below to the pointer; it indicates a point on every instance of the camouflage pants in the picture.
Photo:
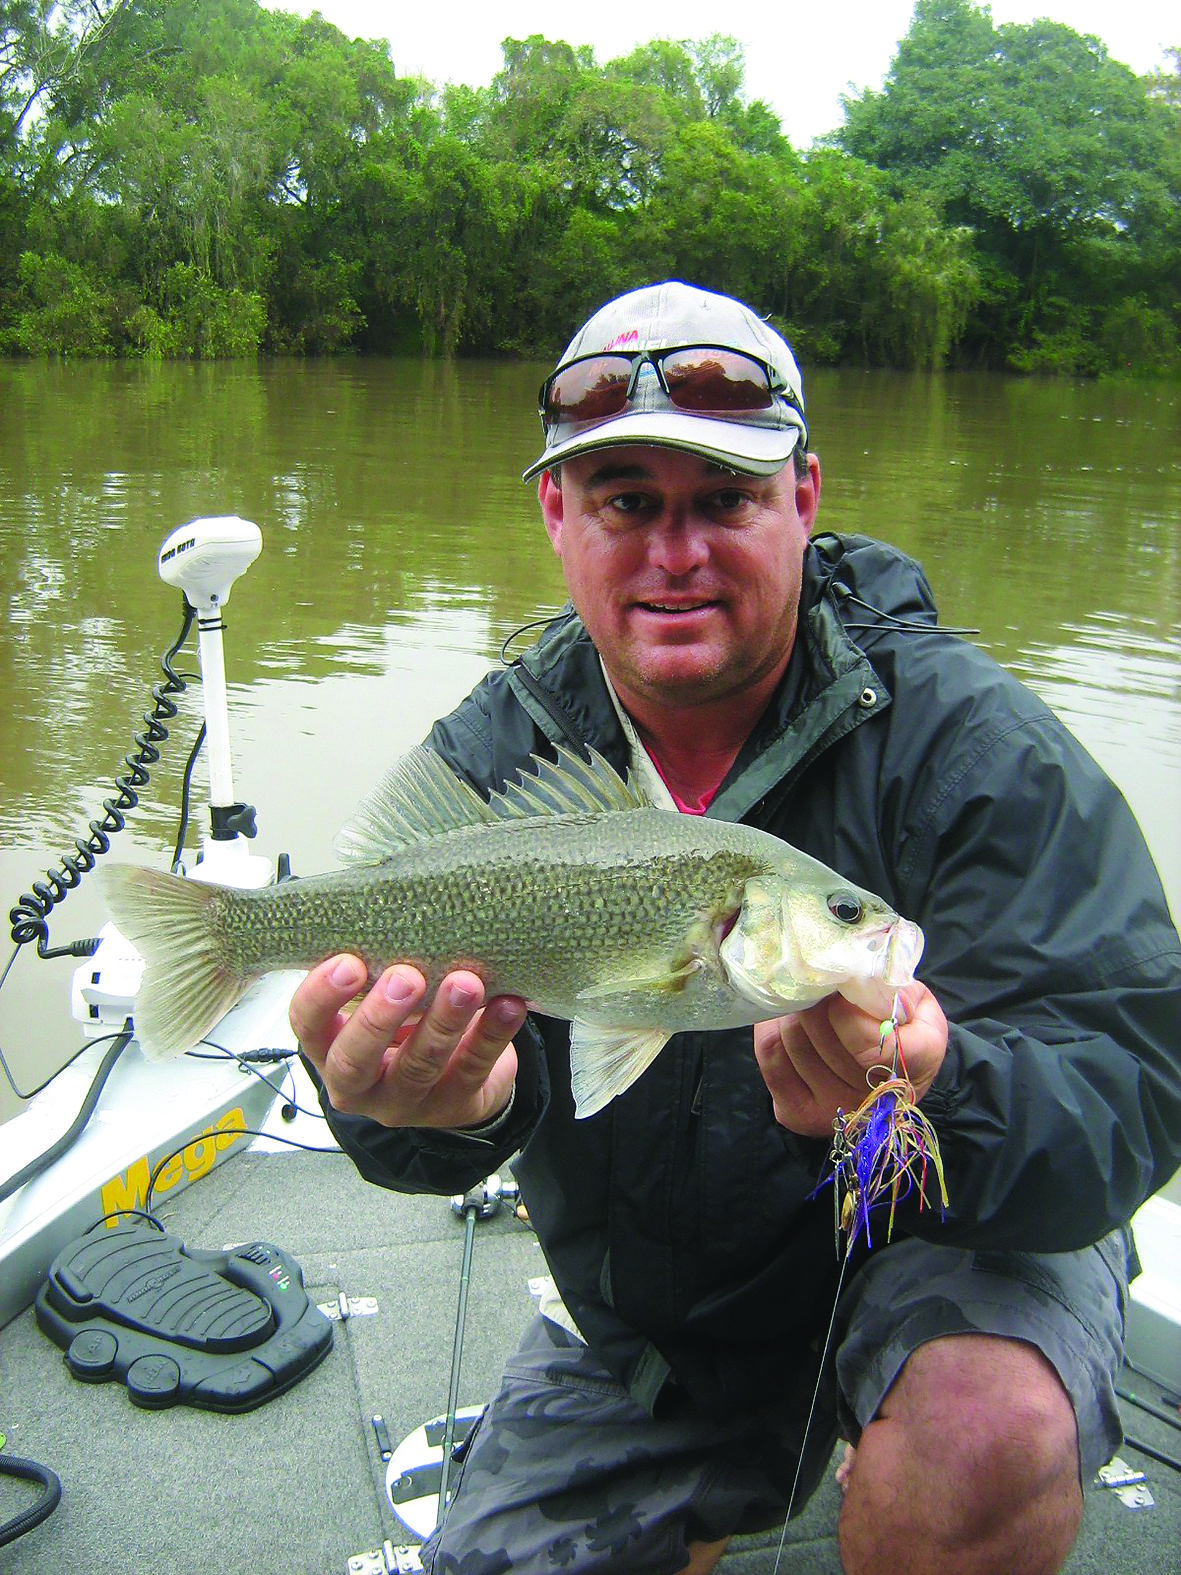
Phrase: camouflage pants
(566, 1473)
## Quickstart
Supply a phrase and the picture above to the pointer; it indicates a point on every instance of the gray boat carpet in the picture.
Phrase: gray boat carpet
(296, 1487)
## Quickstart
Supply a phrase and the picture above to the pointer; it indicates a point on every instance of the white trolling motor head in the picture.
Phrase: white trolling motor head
(206, 556)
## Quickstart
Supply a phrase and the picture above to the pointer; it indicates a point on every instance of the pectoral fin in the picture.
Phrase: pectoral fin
(667, 979)
(606, 1061)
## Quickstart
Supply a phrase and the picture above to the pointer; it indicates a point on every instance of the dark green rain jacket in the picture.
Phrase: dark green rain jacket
(682, 1224)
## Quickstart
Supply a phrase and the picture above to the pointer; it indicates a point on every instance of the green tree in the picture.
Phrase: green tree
(1164, 85)
(65, 309)
(1036, 140)
(208, 177)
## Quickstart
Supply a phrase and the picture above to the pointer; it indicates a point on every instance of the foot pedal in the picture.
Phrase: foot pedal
(223, 1331)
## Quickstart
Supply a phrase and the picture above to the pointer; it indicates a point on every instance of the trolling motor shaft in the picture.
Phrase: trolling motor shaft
(203, 559)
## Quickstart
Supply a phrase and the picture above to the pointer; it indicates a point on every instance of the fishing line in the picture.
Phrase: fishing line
(881, 1153)
(791, 1499)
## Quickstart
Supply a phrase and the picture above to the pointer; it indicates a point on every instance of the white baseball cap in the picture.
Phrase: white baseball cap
(654, 321)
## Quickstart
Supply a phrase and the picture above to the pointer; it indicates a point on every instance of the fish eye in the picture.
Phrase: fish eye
(845, 907)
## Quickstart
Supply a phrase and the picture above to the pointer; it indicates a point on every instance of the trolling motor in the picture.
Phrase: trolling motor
(203, 559)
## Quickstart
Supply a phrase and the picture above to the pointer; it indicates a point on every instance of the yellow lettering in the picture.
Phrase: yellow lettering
(130, 1190)
(126, 1192)
(200, 1154)
(231, 1127)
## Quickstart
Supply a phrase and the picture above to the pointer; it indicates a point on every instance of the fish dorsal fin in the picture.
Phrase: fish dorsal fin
(423, 798)
(569, 786)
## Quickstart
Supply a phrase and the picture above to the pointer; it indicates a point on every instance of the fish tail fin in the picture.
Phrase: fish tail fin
(186, 986)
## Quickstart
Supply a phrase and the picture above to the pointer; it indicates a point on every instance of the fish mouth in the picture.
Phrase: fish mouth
(903, 949)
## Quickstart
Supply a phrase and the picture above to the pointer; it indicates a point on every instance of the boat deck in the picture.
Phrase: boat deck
(296, 1487)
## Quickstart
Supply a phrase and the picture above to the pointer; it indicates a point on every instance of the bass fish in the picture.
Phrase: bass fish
(569, 889)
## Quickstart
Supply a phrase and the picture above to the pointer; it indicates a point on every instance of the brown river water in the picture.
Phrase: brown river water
(400, 549)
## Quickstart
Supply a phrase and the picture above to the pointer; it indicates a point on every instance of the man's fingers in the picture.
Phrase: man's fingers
(809, 1074)
(422, 1060)
(349, 1052)
(780, 1074)
(357, 1058)
(495, 1027)
(821, 1053)
(487, 1039)
(316, 1004)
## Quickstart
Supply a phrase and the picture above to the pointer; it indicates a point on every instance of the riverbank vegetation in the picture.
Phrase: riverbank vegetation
(208, 178)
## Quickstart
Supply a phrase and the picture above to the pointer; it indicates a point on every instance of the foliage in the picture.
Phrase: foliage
(1047, 150)
(65, 310)
(207, 178)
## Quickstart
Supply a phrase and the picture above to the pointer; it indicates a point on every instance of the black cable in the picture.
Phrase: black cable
(844, 594)
(1153, 1454)
(186, 787)
(126, 1214)
(203, 1137)
(54, 1152)
(30, 915)
(40, 1088)
(29, 1471)
(535, 623)
(247, 1064)
(470, 1215)
(1142, 1372)
(1170, 1418)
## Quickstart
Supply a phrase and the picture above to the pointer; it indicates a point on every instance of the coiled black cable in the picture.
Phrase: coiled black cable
(51, 1492)
(30, 915)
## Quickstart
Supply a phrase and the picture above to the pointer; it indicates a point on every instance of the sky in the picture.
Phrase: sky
(833, 46)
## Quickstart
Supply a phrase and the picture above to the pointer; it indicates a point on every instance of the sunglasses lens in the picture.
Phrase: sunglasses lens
(588, 390)
(699, 378)
(719, 381)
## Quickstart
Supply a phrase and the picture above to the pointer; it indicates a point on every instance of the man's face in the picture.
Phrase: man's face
(686, 576)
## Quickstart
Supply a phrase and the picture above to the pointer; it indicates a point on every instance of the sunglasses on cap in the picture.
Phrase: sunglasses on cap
(704, 380)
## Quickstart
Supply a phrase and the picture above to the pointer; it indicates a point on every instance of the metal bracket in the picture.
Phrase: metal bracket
(1129, 1485)
(346, 1307)
(386, 1560)
(1118, 1473)
(1138, 1496)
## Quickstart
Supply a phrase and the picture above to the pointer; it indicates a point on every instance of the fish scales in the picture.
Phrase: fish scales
(621, 887)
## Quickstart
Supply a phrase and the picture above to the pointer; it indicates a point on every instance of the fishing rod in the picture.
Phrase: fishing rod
(479, 1203)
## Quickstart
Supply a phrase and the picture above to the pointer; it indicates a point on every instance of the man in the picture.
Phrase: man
(745, 669)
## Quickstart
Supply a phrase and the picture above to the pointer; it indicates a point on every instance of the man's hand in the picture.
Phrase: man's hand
(815, 1062)
(452, 1065)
